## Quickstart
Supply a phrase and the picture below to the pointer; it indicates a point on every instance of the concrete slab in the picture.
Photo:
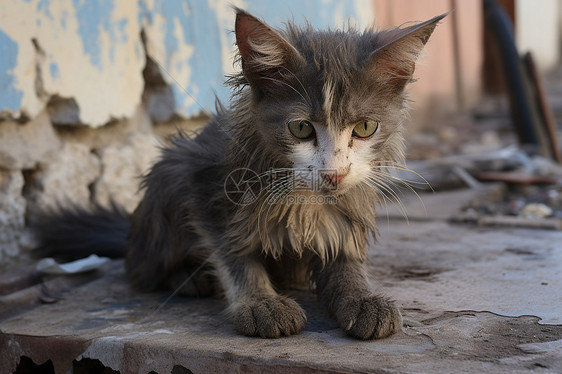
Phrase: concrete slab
(474, 300)
(435, 266)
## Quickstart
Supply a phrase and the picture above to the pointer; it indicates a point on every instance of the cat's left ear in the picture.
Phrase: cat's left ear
(393, 63)
(266, 56)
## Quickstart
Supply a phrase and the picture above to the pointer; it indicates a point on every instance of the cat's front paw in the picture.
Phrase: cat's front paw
(371, 317)
(269, 317)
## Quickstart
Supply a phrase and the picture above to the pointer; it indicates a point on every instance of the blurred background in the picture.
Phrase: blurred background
(90, 88)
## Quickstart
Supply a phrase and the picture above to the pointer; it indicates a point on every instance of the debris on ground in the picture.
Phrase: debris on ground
(512, 188)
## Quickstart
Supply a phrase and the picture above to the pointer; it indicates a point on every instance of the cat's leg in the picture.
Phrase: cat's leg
(257, 309)
(343, 286)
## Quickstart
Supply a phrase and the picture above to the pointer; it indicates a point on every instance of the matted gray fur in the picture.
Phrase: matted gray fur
(307, 104)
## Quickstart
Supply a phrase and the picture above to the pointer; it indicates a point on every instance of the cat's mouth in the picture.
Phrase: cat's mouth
(332, 186)
(334, 190)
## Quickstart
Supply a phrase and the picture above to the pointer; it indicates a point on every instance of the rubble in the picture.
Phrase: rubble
(12, 213)
(536, 210)
(523, 222)
(532, 187)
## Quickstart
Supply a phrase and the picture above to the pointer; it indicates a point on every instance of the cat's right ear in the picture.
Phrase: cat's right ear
(393, 62)
(265, 55)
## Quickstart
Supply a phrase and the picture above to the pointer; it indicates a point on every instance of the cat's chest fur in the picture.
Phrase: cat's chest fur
(323, 229)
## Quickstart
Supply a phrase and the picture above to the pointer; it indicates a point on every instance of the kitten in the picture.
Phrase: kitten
(279, 189)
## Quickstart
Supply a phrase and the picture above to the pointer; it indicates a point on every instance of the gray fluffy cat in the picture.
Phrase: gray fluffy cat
(315, 122)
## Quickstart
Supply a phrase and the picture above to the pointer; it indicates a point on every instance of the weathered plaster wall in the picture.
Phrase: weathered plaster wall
(91, 52)
(88, 51)
(86, 84)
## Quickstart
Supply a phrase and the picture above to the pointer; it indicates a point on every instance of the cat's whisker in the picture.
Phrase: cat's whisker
(279, 172)
(412, 182)
(275, 170)
(403, 181)
(267, 173)
(397, 198)
(383, 196)
(407, 184)
(382, 185)
(407, 169)
(279, 185)
(289, 188)
(284, 189)
(388, 184)
(271, 197)
(380, 201)
(381, 190)
(281, 191)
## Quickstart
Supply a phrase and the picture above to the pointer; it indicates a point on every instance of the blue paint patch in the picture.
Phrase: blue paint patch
(138, 51)
(92, 17)
(320, 14)
(121, 25)
(54, 69)
(10, 97)
(199, 29)
(144, 13)
(64, 18)
(43, 7)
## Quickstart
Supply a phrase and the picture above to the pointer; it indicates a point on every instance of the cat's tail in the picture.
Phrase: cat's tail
(73, 233)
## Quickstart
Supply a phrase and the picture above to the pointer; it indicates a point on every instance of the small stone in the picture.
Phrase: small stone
(491, 138)
(535, 210)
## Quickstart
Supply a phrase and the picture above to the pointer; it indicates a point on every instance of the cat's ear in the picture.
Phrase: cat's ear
(265, 55)
(393, 63)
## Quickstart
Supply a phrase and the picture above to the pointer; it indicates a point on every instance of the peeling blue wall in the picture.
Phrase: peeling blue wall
(94, 16)
(196, 77)
(202, 31)
(10, 96)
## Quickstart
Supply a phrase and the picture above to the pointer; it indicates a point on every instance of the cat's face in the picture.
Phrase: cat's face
(331, 103)
(334, 139)
(339, 158)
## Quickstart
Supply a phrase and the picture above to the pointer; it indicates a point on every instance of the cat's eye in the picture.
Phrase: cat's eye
(301, 129)
(364, 129)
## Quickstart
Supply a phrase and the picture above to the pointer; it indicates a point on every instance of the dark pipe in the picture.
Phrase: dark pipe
(502, 31)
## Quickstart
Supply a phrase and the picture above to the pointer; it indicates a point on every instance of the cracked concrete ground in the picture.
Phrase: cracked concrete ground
(475, 300)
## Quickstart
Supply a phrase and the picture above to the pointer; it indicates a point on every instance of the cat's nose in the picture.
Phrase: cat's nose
(334, 178)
